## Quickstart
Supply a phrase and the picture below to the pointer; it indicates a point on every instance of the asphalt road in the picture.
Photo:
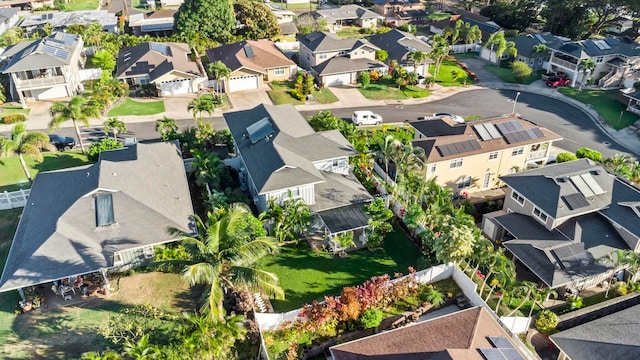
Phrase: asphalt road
(571, 123)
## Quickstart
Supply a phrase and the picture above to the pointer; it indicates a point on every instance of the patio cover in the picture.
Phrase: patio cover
(345, 218)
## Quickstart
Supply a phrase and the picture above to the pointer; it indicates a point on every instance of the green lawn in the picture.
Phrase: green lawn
(12, 176)
(350, 32)
(605, 103)
(279, 94)
(385, 89)
(76, 5)
(450, 74)
(12, 108)
(132, 107)
(438, 15)
(506, 75)
(306, 276)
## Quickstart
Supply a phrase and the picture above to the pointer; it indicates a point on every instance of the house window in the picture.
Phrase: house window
(464, 182)
(294, 192)
(144, 81)
(539, 214)
(493, 155)
(517, 197)
(433, 168)
(599, 59)
(335, 163)
(517, 151)
(322, 56)
(279, 71)
(104, 210)
(453, 164)
(117, 259)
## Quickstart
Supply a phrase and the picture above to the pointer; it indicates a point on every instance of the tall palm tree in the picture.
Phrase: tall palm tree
(166, 126)
(540, 296)
(115, 126)
(439, 51)
(417, 57)
(23, 142)
(199, 105)
(615, 260)
(224, 261)
(539, 49)
(587, 66)
(390, 146)
(218, 71)
(527, 288)
(76, 110)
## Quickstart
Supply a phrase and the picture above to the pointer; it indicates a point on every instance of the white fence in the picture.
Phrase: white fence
(464, 48)
(288, 45)
(14, 199)
(89, 74)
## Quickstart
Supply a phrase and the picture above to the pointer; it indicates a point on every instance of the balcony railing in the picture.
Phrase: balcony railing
(40, 82)
(563, 63)
(536, 154)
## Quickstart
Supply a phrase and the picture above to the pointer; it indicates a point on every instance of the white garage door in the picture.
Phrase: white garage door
(240, 83)
(340, 79)
(183, 86)
(50, 93)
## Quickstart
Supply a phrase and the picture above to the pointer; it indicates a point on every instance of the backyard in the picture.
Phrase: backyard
(76, 5)
(306, 276)
(132, 107)
(385, 89)
(605, 103)
(12, 176)
(279, 94)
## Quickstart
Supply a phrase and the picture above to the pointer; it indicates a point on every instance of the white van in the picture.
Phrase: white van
(366, 117)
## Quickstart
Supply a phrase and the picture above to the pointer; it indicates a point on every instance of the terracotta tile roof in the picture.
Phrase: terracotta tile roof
(265, 55)
(454, 336)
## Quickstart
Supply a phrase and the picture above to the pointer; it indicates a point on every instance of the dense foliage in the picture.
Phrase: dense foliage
(256, 20)
(103, 145)
(210, 19)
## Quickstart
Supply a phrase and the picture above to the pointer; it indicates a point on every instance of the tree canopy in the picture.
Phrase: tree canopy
(213, 19)
(256, 20)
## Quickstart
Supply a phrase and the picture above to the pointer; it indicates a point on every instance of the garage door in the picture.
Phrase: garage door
(183, 86)
(339, 79)
(240, 83)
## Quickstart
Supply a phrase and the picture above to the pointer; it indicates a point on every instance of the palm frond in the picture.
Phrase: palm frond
(201, 273)
(251, 252)
(257, 280)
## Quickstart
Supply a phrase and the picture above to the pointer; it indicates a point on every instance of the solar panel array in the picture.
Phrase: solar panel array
(514, 133)
(487, 131)
(458, 148)
(261, 129)
(248, 51)
(601, 44)
(587, 185)
(571, 255)
(503, 350)
(509, 126)
(575, 201)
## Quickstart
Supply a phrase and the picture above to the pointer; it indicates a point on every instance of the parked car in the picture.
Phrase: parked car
(558, 81)
(552, 74)
(456, 118)
(62, 143)
(365, 117)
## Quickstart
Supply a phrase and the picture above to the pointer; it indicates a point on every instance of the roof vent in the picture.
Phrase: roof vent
(596, 172)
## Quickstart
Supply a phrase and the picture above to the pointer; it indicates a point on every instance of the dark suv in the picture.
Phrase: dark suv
(62, 143)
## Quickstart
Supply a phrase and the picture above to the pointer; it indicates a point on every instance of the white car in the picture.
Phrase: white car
(366, 117)
(456, 118)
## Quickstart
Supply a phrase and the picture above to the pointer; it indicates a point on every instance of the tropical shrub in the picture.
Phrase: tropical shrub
(103, 145)
(621, 288)
(588, 153)
(565, 156)
(371, 318)
(14, 118)
(364, 78)
(546, 322)
(374, 75)
(432, 296)
(521, 71)
(575, 302)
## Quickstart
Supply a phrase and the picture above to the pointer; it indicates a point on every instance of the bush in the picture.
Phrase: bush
(585, 152)
(575, 302)
(621, 288)
(371, 318)
(521, 71)
(546, 322)
(565, 156)
(367, 31)
(297, 94)
(103, 145)
(364, 78)
(374, 75)
(14, 118)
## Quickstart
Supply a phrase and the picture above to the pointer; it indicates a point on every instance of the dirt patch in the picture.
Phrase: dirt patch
(165, 291)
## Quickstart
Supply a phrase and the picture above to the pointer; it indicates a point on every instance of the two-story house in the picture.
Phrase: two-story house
(8, 18)
(336, 61)
(280, 157)
(471, 156)
(617, 61)
(61, 19)
(349, 15)
(486, 26)
(399, 12)
(399, 45)
(562, 221)
(530, 49)
(46, 68)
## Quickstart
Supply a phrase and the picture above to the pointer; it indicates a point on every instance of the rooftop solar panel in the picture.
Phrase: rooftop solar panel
(482, 132)
(492, 130)
(509, 126)
(511, 354)
(575, 201)
(259, 130)
(500, 342)
(248, 51)
(458, 148)
(582, 186)
(592, 184)
(492, 354)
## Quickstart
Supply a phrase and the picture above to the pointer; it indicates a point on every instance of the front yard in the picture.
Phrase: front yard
(306, 276)
(506, 75)
(279, 94)
(12, 108)
(450, 74)
(605, 103)
(12, 176)
(385, 89)
(132, 107)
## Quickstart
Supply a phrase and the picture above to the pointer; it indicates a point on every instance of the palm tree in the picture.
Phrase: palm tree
(218, 71)
(617, 163)
(209, 168)
(222, 259)
(439, 51)
(199, 105)
(166, 126)
(387, 150)
(417, 57)
(453, 33)
(115, 126)
(23, 142)
(526, 287)
(539, 49)
(141, 350)
(634, 172)
(471, 33)
(587, 66)
(211, 339)
(632, 260)
(615, 260)
(540, 296)
(77, 110)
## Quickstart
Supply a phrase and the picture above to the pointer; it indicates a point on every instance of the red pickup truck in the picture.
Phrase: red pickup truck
(558, 81)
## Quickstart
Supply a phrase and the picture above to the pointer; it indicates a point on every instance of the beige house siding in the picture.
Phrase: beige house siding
(367, 23)
(363, 53)
(174, 76)
(319, 58)
(271, 74)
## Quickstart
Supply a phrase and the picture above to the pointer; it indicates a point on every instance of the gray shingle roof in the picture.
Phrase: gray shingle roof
(286, 158)
(7, 13)
(346, 12)
(156, 59)
(339, 190)
(321, 41)
(589, 48)
(54, 50)
(611, 337)
(64, 19)
(398, 44)
(57, 235)
(343, 64)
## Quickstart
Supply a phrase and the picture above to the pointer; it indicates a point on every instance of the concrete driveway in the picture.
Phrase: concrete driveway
(249, 99)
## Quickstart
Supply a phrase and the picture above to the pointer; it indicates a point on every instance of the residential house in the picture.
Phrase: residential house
(470, 334)
(168, 66)
(280, 156)
(252, 63)
(561, 221)
(526, 46)
(608, 337)
(620, 25)
(337, 61)
(398, 45)
(486, 26)
(27, 5)
(617, 61)
(8, 18)
(47, 68)
(400, 12)
(471, 156)
(348, 15)
(155, 23)
(103, 216)
(60, 20)
(283, 16)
